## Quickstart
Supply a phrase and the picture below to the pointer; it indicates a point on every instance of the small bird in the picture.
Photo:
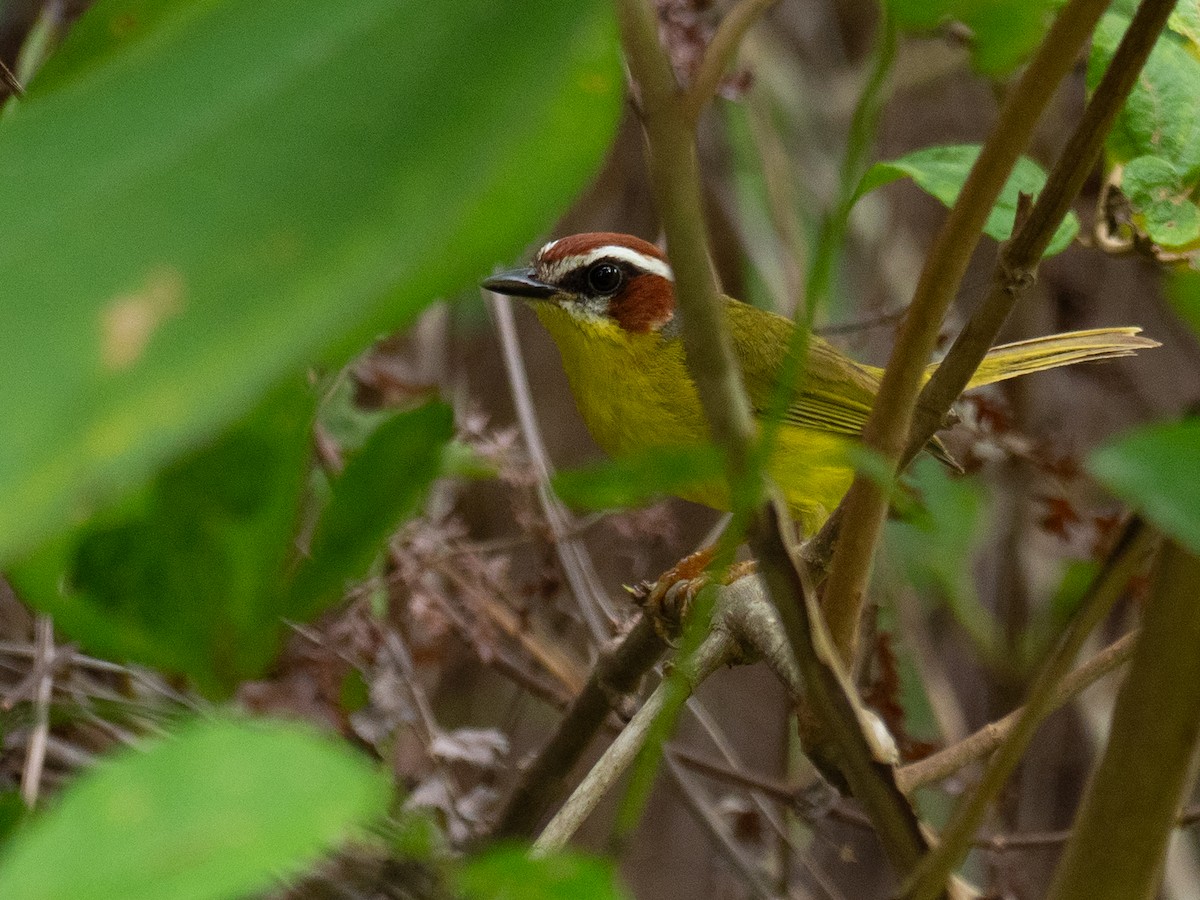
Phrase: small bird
(608, 301)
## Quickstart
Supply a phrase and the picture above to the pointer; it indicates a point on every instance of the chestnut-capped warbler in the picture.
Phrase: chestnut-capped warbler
(608, 301)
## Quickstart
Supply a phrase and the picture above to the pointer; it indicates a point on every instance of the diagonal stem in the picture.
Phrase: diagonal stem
(887, 428)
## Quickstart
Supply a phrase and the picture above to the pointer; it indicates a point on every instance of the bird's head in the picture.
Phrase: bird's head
(599, 277)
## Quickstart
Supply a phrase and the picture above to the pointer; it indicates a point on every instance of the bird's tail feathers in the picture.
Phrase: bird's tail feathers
(1051, 352)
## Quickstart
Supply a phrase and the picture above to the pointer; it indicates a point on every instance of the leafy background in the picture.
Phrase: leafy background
(219, 205)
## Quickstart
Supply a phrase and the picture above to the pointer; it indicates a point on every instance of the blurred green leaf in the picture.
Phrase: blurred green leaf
(508, 873)
(1184, 292)
(220, 809)
(934, 543)
(186, 575)
(214, 193)
(1162, 115)
(13, 813)
(1155, 470)
(640, 478)
(1186, 21)
(1154, 187)
(1047, 623)
(381, 486)
(942, 171)
(1005, 31)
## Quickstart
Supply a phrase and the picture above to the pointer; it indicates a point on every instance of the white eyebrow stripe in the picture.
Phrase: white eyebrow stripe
(642, 261)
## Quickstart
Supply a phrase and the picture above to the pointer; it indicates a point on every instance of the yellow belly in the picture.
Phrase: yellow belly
(634, 394)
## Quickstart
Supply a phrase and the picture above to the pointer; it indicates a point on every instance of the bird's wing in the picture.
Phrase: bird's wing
(833, 394)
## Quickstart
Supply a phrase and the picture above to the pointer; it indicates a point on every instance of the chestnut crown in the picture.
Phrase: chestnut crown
(600, 275)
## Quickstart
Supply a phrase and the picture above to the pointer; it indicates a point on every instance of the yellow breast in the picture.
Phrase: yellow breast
(634, 393)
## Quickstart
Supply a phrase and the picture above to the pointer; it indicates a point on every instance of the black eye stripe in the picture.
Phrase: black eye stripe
(576, 281)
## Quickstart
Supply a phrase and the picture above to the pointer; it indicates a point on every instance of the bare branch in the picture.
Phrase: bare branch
(720, 53)
(982, 742)
(617, 672)
(718, 649)
(35, 751)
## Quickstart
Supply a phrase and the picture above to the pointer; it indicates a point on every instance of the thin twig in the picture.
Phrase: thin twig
(720, 53)
(9, 80)
(593, 602)
(886, 430)
(617, 672)
(35, 751)
(980, 743)
(1125, 561)
(711, 821)
(718, 649)
(1017, 265)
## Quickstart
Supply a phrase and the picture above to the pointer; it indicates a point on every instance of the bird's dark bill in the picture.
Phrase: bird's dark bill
(520, 283)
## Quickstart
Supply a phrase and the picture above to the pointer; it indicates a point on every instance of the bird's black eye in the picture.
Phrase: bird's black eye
(604, 278)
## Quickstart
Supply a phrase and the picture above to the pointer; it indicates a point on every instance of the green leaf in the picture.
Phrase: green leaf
(219, 810)
(508, 873)
(934, 543)
(187, 574)
(381, 486)
(942, 171)
(234, 187)
(637, 479)
(1185, 20)
(1184, 292)
(1154, 470)
(1162, 115)
(1156, 191)
(1005, 31)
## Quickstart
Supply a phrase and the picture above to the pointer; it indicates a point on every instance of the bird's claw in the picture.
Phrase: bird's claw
(667, 600)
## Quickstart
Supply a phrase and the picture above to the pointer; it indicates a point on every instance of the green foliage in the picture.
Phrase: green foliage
(942, 171)
(185, 574)
(193, 573)
(218, 810)
(1185, 20)
(1157, 134)
(637, 479)
(214, 193)
(1161, 117)
(1005, 31)
(1184, 292)
(935, 541)
(508, 873)
(1155, 469)
(381, 487)
(1169, 215)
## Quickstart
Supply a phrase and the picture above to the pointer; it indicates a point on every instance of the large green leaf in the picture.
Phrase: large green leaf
(1155, 469)
(381, 486)
(188, 573)
(942, 171)
(1162, 115)
(1164, 206)
(223, 189)
(216, 811)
